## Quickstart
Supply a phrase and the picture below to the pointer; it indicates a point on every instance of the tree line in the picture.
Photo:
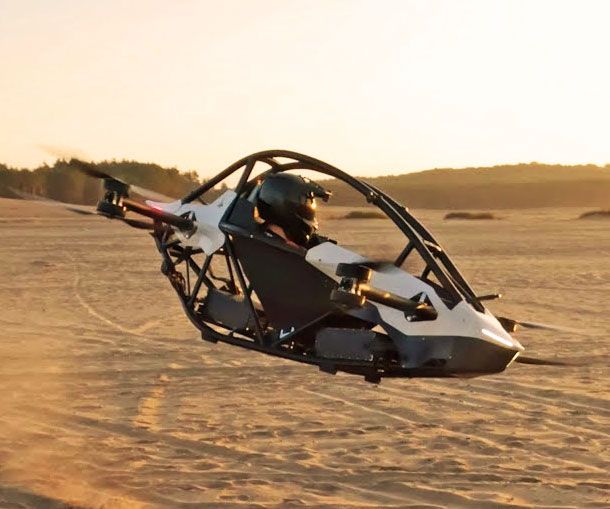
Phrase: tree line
(508, 186)
(63, 182)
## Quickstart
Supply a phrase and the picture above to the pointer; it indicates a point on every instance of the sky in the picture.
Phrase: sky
(373, 87)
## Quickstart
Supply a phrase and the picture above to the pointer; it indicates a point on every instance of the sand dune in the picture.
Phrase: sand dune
(109, 399)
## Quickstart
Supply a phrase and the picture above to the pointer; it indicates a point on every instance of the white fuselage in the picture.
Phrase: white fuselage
(461, 320)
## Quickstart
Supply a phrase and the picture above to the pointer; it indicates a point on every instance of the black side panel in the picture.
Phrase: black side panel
(451, 355)
(352, 344)
(293, 292)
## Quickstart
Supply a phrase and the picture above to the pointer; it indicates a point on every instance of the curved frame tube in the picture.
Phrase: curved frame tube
(447, 274)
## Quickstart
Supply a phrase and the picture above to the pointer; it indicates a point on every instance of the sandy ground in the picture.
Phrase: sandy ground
(108, 399)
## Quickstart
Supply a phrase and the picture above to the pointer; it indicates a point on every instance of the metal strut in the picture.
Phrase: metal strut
(244, 289)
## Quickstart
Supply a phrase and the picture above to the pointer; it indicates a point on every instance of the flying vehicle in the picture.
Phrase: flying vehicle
(318, 303)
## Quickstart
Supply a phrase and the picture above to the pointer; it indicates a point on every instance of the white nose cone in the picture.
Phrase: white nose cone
(502, 338)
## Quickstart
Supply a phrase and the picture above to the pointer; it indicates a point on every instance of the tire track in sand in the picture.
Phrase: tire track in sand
(494, 444)
(390, 492)
(473, 396)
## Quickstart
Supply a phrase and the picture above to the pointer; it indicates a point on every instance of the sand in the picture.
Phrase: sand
(108, 399)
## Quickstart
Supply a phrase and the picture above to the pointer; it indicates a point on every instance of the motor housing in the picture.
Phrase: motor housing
(111, 205)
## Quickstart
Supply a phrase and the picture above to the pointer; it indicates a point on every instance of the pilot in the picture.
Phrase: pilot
(287, 205)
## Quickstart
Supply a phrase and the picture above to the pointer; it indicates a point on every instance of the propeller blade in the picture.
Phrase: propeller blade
(151, 195)
(536, 361)
(490, 296)
(92, 171)
(511, 325)
(83, 212)
(78, 209)
(376, 263)
(545, 326)
(136, 223)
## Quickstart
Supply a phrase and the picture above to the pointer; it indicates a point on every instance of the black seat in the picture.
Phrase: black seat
(292, 291)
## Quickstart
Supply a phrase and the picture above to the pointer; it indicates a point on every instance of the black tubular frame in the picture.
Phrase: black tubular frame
(419, 237)
(257, 338)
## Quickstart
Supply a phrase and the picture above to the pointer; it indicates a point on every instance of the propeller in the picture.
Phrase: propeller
(136, 223)
(546, 326)
(117, 201)
(79, 209)
(537, 361)
(511, 325)
(92, 171)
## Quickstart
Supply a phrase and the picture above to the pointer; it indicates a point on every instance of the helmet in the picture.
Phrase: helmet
(289, 201)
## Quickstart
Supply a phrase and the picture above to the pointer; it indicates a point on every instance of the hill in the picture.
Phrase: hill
(510, 186)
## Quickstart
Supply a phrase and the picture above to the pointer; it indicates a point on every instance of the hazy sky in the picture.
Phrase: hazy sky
(374, 87)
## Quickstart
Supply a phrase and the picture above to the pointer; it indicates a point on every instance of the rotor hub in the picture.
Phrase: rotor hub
(111, 204)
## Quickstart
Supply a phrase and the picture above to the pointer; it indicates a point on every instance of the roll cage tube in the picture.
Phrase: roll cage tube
(419, 237)
(441, 254)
